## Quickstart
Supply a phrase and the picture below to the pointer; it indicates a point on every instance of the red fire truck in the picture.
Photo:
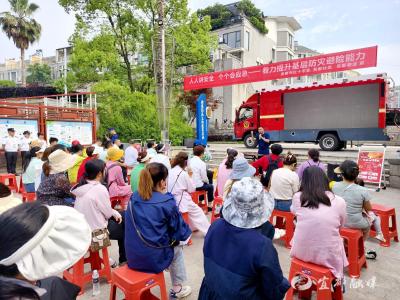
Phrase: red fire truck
(327, 112)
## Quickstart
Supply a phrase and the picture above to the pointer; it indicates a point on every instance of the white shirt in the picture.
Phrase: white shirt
(181, 187)
(284, 184)
(199, 169)
(162, 159)
(131, 156)
(44, 144)
(24, 143)
(11, 144)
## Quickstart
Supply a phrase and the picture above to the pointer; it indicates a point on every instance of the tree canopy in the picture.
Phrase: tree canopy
(39, 74)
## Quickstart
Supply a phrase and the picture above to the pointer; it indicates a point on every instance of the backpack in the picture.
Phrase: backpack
(106, 182)
(272, 166)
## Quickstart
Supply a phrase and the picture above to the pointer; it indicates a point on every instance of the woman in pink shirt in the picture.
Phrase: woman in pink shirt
(224, 170)
(320, 214)
(93, 201)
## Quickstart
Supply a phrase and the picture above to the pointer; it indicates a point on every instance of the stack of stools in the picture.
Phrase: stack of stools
(321, 278)
(136, 285)
(216, 210)
(388, 223)
(9, 180)
(284, 220)
(354, 246)
(76, 274)
(196, 199)
(185, 217)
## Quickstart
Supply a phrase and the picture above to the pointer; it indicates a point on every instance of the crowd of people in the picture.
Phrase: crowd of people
(137, 197)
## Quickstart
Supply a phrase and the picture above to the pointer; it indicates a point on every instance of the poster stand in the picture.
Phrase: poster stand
(371, 161)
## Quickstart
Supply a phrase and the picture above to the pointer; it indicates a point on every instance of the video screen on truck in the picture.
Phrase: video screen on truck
(340, 107)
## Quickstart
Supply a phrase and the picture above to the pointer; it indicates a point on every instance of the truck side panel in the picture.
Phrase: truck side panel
(271, 111)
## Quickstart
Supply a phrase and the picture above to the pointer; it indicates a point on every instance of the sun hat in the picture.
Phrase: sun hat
(241, 168)
(248, 205)
(61, 242)
(61, 161)
(9, 202)
(114, 153)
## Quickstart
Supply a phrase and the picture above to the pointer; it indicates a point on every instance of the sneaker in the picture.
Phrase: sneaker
(279, 233)
(113, 263)
(184, 292)
(370, 254)
(380, 237)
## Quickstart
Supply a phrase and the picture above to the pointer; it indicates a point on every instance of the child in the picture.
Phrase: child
(372, 218)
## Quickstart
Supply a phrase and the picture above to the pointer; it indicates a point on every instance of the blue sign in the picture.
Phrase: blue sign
(201, 120)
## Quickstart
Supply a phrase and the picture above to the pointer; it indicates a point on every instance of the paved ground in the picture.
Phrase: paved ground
(379, 281)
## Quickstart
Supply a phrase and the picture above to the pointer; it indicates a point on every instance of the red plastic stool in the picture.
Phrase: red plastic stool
(116, 200)
(284, 220)
(388, 223)
(354, 250)
(216, 210)
(12, 181)
(77, 275)
(321, 281)
(196, 199)
(136, 285)
(185, 217)
(28, 197)
(21, 186)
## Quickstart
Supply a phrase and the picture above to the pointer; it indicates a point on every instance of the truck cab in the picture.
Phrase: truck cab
(247, 121)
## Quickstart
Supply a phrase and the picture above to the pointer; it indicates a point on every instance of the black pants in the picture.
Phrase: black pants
(117, 232)
(209, 188)
(11, 159)
(23, 156)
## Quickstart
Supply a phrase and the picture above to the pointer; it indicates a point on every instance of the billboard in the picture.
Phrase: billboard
(66, 131)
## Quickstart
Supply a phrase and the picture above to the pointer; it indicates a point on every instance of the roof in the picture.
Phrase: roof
(304, 49)
(284, 19)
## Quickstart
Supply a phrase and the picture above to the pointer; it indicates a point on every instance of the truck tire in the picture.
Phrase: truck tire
(249, 141)
(329, 142)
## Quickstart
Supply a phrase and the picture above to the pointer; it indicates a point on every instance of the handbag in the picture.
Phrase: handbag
(100, 239)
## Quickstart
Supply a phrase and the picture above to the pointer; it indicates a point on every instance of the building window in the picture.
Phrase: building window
(339, 75)
(290, 56)
(232, 39)
(273, 55)
(290, 41)
(246, 40)
(12, 76)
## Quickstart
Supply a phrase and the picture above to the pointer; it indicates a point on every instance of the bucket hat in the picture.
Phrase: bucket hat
(61, 161)
(114, 153)
(241, 169)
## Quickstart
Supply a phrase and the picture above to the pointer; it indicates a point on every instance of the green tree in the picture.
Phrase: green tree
(39, 74)
(19, 26)
(7, 83)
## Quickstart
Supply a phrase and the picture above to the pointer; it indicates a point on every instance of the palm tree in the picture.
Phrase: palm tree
(19, 25)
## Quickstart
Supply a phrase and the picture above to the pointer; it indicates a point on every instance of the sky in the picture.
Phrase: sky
(327, 26)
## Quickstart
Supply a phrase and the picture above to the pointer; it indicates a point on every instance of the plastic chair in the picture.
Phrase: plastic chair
(388, 223)
(185, 217)
(284, 220)
(28, 197)
(76, 274)
(21, 186)
(136, 285)
(355, 253)
(116, 201)
(11, 180)
(196, 199)
(321, 281)
(216, 209)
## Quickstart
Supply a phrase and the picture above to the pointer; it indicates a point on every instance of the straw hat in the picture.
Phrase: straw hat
(60, 161)
(114, 154)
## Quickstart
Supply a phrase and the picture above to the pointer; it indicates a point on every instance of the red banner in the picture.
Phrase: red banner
(371, 165)
(325, 63)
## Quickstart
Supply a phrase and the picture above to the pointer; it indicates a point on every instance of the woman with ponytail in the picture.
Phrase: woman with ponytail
(32, 169)
(154, 229)
(225, 170)
(93, 201)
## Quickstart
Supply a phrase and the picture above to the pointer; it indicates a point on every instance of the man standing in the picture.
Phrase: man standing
(131, 155)
(11, 145)
(24, 146)
(262, 139)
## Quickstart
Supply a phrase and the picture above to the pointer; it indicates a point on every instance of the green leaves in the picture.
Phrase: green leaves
(39, 74)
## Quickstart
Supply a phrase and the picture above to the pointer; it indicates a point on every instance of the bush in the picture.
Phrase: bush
(7, 83)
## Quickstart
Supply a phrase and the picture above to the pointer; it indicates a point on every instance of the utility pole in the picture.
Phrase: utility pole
(65, 71)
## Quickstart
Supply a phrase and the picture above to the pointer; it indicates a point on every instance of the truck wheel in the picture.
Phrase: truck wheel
(329, 142)
(249, 141)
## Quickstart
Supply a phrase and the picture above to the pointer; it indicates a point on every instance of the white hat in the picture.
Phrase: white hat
(61, 161)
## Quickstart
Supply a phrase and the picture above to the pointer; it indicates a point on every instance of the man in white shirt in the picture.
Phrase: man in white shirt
(200, 178)
(11, 146)
(24, 146)
(131, 155)
(42, 141)
(161, 157)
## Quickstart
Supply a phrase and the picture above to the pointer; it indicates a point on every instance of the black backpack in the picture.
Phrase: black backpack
(272, 166)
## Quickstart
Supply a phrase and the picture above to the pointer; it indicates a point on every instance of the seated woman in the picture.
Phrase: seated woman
(92, 153)
(117, 187)
(154, 229)
(93, 201)
(77, 152)
(55, 187)
(320, 214)
(32, 170)
(180, 185)
(285, 183)
(143, 159)
(42, 241)
(225, 170)
(313, 160)
(239, 261)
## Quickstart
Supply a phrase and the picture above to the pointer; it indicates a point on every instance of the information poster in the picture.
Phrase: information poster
(66, 132)
(371, 164)
(20, 126)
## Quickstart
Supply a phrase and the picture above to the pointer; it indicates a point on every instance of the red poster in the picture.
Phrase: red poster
(370, 164)
(325, 63)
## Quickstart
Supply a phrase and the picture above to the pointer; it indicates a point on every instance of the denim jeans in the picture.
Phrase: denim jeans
(177, 268)
(29, 187)
(209, 188)
(283, 205)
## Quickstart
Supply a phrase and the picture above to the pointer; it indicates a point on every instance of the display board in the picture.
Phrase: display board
(371, 162)
(20, 126)
(66, 132)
